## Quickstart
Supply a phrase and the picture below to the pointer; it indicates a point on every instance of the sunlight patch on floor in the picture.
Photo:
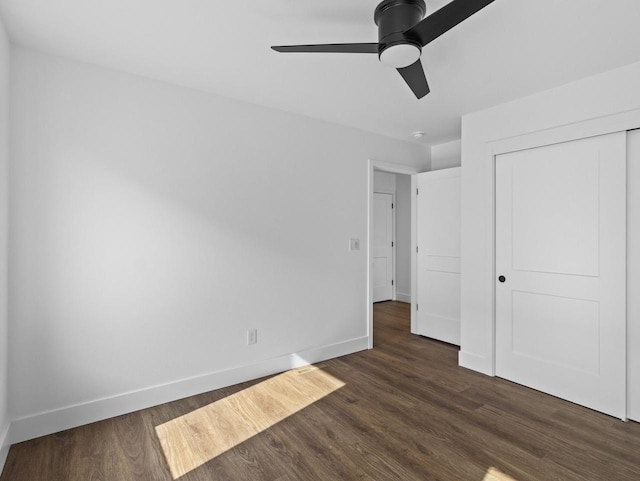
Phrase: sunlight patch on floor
(201, 435)
(494, 474)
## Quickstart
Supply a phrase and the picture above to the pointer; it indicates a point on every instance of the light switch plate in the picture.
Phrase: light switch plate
(354, 244)
(252, 336)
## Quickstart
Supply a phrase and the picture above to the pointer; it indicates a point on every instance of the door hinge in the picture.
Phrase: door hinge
(392, 205)
(417, 191)
(417, 249)
(417, 307)
(392, 244)
(391, 281)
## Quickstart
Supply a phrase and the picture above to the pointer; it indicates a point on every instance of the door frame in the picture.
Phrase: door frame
(565, 133)
(617, 122)
(391, 168)
(633, 272)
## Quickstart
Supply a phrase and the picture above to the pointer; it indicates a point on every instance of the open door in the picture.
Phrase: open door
(438, 254)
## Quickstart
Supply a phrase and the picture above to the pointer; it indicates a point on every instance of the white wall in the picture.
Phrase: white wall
(596, 97)
(4, 197)
(403, 237)
(446, 156)
(153, 225)
(384, 182)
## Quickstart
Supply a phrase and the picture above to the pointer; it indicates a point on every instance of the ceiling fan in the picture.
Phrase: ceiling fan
(402, 32)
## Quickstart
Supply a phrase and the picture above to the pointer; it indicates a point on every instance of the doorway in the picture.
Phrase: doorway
(403, 238)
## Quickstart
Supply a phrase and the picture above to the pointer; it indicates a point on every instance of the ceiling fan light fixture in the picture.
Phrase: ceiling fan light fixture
(403, 30)
(400, 55)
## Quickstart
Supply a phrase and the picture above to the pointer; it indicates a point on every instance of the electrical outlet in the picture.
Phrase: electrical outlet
(252, 336)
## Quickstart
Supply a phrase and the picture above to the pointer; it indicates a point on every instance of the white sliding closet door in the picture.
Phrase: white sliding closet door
(561, 270)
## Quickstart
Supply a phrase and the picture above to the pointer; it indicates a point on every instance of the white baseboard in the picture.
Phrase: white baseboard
(4, 446)
(69, 417)
(475, 363)
(403, 297)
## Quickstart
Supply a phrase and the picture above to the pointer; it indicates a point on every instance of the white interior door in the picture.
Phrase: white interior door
(438, 257)
(382, 247)
(560, 263)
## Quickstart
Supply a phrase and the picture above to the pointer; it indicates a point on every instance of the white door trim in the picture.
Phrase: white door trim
(633, 274)
(589, 128)
(392, 168)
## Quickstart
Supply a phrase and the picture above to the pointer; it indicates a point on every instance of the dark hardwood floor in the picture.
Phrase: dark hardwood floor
(402, 411)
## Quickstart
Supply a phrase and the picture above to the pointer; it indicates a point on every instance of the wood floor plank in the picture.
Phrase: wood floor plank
(402, 411)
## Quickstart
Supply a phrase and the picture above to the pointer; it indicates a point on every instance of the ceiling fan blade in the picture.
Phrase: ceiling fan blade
(444, 19)
(330, 48)
(415, 78)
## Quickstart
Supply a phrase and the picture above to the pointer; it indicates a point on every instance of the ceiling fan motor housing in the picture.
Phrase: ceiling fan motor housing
(393, 18)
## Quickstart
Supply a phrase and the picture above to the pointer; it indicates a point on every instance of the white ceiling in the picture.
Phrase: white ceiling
(510, 49)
